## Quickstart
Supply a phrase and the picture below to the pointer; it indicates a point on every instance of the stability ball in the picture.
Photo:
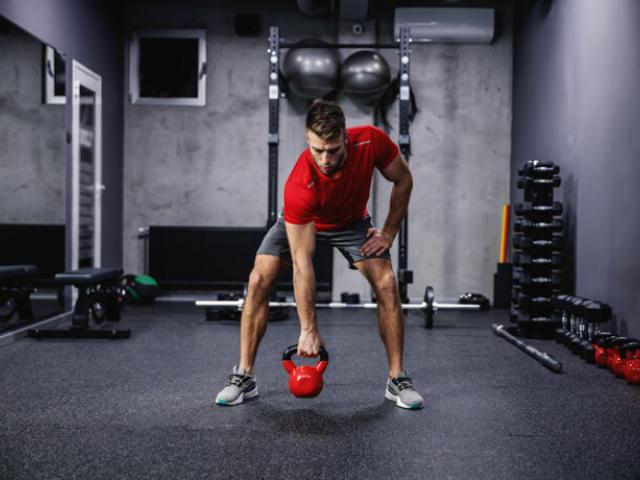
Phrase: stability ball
(365, 76)
(311, 72)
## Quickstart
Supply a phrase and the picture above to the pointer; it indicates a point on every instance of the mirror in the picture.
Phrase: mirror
(32, 175)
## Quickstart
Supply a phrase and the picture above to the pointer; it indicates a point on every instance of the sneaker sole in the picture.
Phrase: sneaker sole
(241, 398)
(395, 398)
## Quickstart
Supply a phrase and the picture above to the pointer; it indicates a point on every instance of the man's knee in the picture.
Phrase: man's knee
(264, 275)
(385, 284)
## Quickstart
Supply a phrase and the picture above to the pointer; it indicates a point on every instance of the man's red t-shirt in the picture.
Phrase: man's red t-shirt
(333, 203)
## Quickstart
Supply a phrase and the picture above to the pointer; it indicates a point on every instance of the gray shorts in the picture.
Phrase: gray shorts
(348, 240)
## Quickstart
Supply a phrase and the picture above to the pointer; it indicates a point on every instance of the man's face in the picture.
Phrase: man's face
(329, 155)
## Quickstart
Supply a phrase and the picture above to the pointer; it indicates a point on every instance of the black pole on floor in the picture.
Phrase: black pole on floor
(542, 357)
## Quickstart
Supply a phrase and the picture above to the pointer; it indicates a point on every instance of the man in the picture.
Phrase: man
(326, 195)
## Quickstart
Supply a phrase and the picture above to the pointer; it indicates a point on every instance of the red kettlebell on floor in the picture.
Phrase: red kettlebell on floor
(305, 380)
(632, 371)
(632, 366)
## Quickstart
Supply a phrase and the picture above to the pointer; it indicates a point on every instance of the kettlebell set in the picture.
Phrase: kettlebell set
(620, 354)
(580, 333)
(305, 381)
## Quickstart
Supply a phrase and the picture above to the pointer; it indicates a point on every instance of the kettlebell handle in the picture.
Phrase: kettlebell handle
(293, 349)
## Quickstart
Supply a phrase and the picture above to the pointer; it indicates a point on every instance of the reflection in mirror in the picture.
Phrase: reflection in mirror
(87, 178)
(32, 179)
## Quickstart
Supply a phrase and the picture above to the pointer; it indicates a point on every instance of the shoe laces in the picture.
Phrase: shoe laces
(236, 379)
(403, 383)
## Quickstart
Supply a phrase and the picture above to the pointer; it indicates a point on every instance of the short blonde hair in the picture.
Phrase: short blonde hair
(325, 119)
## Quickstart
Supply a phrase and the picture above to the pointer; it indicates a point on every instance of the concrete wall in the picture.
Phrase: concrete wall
(576, 103)
(89, 32)
(32, 135)
(208, 166)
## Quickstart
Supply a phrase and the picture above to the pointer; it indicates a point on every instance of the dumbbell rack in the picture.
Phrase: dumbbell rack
(537, 242)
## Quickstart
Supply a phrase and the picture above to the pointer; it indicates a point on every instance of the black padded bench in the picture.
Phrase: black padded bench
(97, 296)
(15, 291)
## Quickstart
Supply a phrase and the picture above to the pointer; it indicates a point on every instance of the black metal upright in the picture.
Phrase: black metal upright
(274, 99)
(405, 276)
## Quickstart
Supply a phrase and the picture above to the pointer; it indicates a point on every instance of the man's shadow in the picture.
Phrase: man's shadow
(319, 421)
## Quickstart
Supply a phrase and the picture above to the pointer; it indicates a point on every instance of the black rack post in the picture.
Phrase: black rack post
(274, 99)
(405, 276)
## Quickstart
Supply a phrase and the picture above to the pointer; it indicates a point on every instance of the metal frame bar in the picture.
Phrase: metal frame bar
(405, 276)
(274, 112)
(284, 45)
(84, 77)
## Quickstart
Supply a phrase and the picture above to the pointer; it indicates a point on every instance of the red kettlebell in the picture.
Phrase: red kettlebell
(631, 370)
(305, 380)
(600, 353)
(617, 364)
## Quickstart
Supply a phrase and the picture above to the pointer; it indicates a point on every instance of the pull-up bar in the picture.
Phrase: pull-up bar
(341, 45)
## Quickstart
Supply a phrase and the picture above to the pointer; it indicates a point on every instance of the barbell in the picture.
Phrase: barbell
(429, 305)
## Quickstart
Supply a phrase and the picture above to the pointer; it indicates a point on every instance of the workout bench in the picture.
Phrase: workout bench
(15, 291)
(98, 296)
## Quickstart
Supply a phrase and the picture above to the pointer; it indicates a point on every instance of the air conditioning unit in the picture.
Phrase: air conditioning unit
(446, 25)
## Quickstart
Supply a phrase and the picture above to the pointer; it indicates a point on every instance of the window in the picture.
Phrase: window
(54, 73)
(168, 67)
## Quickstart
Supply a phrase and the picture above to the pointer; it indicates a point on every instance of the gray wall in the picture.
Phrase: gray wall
(208, 166)
(32, 135)
(576, 103)
(89, 32)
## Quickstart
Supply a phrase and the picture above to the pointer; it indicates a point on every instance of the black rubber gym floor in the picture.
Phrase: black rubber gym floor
(143, 408)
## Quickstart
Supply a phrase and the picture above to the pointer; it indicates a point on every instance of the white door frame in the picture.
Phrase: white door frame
(82, 76)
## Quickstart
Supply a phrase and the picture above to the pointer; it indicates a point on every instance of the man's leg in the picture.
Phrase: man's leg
(400, 387)
(255, 313)
(253, 324)
(380, 275)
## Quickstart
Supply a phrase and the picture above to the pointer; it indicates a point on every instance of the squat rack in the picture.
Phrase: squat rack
(276, 44)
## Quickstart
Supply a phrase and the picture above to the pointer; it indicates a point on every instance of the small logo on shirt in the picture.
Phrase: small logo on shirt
(311, 183)
(361, 143)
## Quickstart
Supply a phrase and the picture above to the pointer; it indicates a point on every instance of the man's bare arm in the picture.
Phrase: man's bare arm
(399, 174)
(302, 241)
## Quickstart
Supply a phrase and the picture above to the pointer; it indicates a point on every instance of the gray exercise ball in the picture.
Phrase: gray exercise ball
(365, 76)
(311, 72)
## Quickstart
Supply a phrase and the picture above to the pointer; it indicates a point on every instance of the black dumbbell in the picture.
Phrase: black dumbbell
(525, 260)
(351, 298)
(528, 303)
(526, 279)
(536, 167)
(527, 226)
(589, 314)
(522, 242)
(561, 303)
(529, 208)
(535, 182)
(594, 314)
(571, 332)
(580, 338)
